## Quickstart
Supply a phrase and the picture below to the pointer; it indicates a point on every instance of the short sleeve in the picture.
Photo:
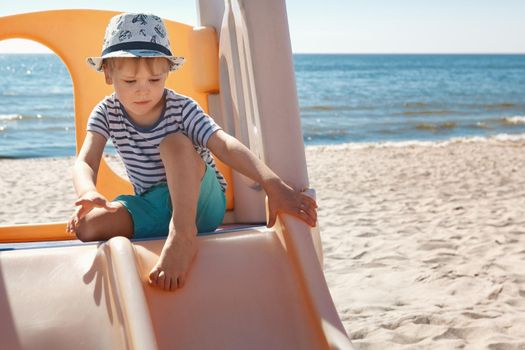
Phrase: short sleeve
(197, 125)
(98, 121)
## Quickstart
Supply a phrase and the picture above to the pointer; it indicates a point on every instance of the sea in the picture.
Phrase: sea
(355, 99)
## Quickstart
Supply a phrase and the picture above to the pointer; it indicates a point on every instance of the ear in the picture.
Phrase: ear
(107, 75)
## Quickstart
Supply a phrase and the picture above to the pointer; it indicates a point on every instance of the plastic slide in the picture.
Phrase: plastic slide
(250, 287)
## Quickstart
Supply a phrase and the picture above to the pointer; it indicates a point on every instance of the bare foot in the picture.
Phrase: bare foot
(169, 273)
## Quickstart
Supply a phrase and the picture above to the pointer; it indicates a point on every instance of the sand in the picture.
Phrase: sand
(424, 244)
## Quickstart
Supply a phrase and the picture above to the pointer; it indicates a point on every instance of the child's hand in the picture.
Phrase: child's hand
(283, 198)
(85, 204)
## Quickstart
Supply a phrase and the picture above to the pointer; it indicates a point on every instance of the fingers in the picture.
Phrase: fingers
(72, 224)
(300, 205)
(97, 202)
(80, 213)
(84, 206)
(111, 207)
(307, 214)
(309, 200)
(307, 209)
(82, 201)
(272, 218)
(69, 226)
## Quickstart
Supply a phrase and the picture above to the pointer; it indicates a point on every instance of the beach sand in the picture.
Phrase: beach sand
(424, 245)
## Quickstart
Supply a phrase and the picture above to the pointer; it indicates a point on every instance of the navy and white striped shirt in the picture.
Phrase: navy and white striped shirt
(139, 147)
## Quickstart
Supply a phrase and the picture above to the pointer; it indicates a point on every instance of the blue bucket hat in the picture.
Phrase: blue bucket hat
(136, 35)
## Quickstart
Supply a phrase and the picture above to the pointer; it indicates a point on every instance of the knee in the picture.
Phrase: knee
(177, 144)
(86, 231)
(179, 148)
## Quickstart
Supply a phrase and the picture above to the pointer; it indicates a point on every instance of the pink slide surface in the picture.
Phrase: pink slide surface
(246, 290)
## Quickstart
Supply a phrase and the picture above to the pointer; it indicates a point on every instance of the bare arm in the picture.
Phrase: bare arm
(85, 179)
(281, 197)
(87, 163)
(232, 152)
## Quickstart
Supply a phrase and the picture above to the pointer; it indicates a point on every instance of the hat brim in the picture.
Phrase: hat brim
(96, 62)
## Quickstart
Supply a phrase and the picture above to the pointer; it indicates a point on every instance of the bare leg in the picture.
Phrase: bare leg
(100, 224)
(184, 170)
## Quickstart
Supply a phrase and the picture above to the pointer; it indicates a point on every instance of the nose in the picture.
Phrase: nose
(142, 87)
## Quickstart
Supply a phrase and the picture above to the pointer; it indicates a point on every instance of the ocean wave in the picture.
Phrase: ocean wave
(501, 105)
(479, 125)
(515, 120)
(419, 143)
(24, 117)
(428, 112)
(37, 94)
(435, 127)
(433, 107)
(40, 129)
(334, 108)
(311, 133)
(318, 108)
(416, 104)
(6, 117)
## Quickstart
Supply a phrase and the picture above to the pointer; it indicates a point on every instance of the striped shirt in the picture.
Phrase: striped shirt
(139, 147)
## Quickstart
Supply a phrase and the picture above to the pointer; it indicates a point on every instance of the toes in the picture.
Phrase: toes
(166, 285)
(153, 276)
(161, 279)
(173, 284)
(181, 280)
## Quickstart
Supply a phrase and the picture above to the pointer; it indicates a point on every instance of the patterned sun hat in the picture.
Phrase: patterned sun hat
(136, 35)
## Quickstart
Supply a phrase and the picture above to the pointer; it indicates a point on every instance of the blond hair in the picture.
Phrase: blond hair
(155, 65)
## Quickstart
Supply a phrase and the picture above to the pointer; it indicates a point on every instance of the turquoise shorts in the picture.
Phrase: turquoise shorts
(151, 211)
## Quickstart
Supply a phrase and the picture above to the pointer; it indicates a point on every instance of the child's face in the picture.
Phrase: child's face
(139, 85)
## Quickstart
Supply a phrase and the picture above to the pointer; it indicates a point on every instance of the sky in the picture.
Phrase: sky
(348, 26)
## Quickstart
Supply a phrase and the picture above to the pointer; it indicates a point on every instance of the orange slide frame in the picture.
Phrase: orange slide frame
(82, 39)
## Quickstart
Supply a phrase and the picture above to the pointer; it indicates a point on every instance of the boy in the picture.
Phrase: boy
(165, 141)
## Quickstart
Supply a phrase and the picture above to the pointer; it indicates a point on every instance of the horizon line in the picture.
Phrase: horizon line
(332, 53)
(412, 53)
